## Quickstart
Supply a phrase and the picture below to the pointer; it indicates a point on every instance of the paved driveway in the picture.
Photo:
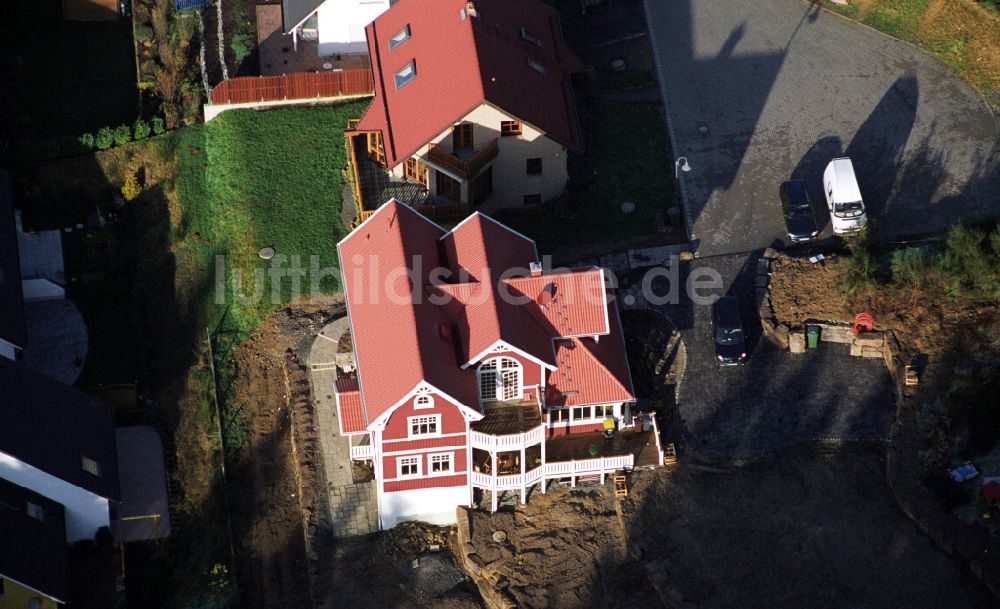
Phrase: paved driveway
(757, 91)
(777, 399)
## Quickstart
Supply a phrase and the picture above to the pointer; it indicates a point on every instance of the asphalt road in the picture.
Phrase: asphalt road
(777, 399)
(758, 91)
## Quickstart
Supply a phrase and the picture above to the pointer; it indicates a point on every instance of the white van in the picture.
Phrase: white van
(843, 197)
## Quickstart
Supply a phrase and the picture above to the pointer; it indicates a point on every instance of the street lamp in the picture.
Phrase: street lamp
(685, 167)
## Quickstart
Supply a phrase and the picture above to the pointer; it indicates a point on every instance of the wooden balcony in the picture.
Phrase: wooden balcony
(464, 168)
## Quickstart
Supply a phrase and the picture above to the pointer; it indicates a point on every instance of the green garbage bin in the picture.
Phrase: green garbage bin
(812, 336)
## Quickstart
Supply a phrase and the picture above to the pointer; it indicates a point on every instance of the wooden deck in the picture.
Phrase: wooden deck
(505, 418)
(642, 445)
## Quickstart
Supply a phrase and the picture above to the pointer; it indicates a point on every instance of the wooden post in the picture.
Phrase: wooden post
(544, 479)
(524, 495)
(493, 470)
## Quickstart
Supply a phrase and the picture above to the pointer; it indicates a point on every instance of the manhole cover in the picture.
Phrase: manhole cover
(328, 66)
(618, 65)
(628, 207)
(266, 253)
(499, 536)
(702, 128)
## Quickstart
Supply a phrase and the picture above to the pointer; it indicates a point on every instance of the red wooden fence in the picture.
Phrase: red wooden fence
(300, 85)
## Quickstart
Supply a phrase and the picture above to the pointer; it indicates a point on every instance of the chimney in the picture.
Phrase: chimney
(536, 269)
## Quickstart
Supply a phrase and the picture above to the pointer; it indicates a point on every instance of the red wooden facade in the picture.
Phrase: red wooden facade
(300, 85)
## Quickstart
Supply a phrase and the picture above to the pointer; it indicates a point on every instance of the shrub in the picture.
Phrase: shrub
(140, 129)
(131, 188)
(87, 141)
(143, 33)
(158, 126)
(970, 262)
(241, 45)
(856, 272)
(911, 267)
(105, 138)
(123, 135)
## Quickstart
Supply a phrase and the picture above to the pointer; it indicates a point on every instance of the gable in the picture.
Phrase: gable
(452, 415)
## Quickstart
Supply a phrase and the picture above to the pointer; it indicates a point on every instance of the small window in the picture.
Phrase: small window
(536, 66)
(440, 463)
(530, 37)
(423, 401)
(408, 466)
(559, 414)
(581, 413)
(36, 511)
(424, 426)
(400, 37)
(534, 166)
(531, 199)
(90, 466)
(406, 73)
(510, 128)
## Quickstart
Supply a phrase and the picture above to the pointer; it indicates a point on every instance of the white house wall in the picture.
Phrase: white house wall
(431, 505)
(342, 25)
(85, 511)
(511, 181)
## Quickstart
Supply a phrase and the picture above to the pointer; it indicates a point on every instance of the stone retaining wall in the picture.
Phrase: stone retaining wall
(484, 575)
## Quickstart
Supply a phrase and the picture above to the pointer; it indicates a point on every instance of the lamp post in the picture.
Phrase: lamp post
(678, 167)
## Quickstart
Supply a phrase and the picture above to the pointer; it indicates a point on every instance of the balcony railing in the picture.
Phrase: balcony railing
(509, 442)
(465, 168)
(362, 452)
(600, 466)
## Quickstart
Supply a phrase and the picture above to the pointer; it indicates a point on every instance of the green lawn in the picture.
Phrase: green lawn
(628, 159)
(80, 75)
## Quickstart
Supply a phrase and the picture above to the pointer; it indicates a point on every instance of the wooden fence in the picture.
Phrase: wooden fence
(300, 85)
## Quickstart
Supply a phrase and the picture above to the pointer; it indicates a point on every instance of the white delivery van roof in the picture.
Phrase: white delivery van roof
(840, 174)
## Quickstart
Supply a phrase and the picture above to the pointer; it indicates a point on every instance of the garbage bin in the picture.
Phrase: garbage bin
(812, 337)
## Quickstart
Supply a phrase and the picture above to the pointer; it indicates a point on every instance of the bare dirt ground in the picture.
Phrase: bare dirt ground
(799, 531)
(286, 556)
(563, 550)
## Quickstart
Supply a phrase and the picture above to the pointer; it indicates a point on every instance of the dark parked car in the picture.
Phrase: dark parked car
(730, 344)
(799, 217)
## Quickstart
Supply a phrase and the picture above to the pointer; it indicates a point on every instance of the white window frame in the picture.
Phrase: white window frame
(562, 418)
(534, 65)
(496, 366)
(400, 79)
(529, 36)
(448, 457)
(423, 402)
(582, 418)
(401, 36)
(411, 421)
(409, 460)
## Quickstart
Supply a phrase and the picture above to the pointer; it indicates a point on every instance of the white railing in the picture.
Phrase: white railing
(656, 434)
(362, 452)
(558, 469)
(515, 441)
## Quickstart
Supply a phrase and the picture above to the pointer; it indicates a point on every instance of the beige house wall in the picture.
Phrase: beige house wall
(511, 182)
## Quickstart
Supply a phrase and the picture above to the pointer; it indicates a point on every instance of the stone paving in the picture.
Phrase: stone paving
(353, 508)
(777, 399)
(756, 92)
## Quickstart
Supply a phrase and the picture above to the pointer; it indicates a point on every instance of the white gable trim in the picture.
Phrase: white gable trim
(380, 209)
(604, 288)
(502, 344)
(467, 412)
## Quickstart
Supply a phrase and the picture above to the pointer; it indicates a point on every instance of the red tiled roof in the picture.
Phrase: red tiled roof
(405, 334)
(462, 63)
(350, 413)
(591, 372)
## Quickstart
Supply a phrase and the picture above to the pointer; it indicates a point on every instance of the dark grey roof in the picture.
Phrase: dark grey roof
(33, 552)
(12, 328)
(293, 12)
(49, 425)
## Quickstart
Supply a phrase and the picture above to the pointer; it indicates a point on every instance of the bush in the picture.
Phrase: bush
(105, 138)
(131, 188)
(158, 126)
(87, 141)
(856, 273)
(970, 262)
(911, 268)
(140, 129)
(241, 46)
(123, 135)
(143, 33)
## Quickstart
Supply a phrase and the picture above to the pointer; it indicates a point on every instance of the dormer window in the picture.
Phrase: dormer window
(528, 36)
(423, 401)
(534, 65)
(400, 37)
(406, 73)
(90, 466)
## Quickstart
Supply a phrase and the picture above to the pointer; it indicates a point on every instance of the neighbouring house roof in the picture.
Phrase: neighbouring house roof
(51, 426)
(464, 62)
(12, 326)
(33, 552)
(294, 12)
(409, 330)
